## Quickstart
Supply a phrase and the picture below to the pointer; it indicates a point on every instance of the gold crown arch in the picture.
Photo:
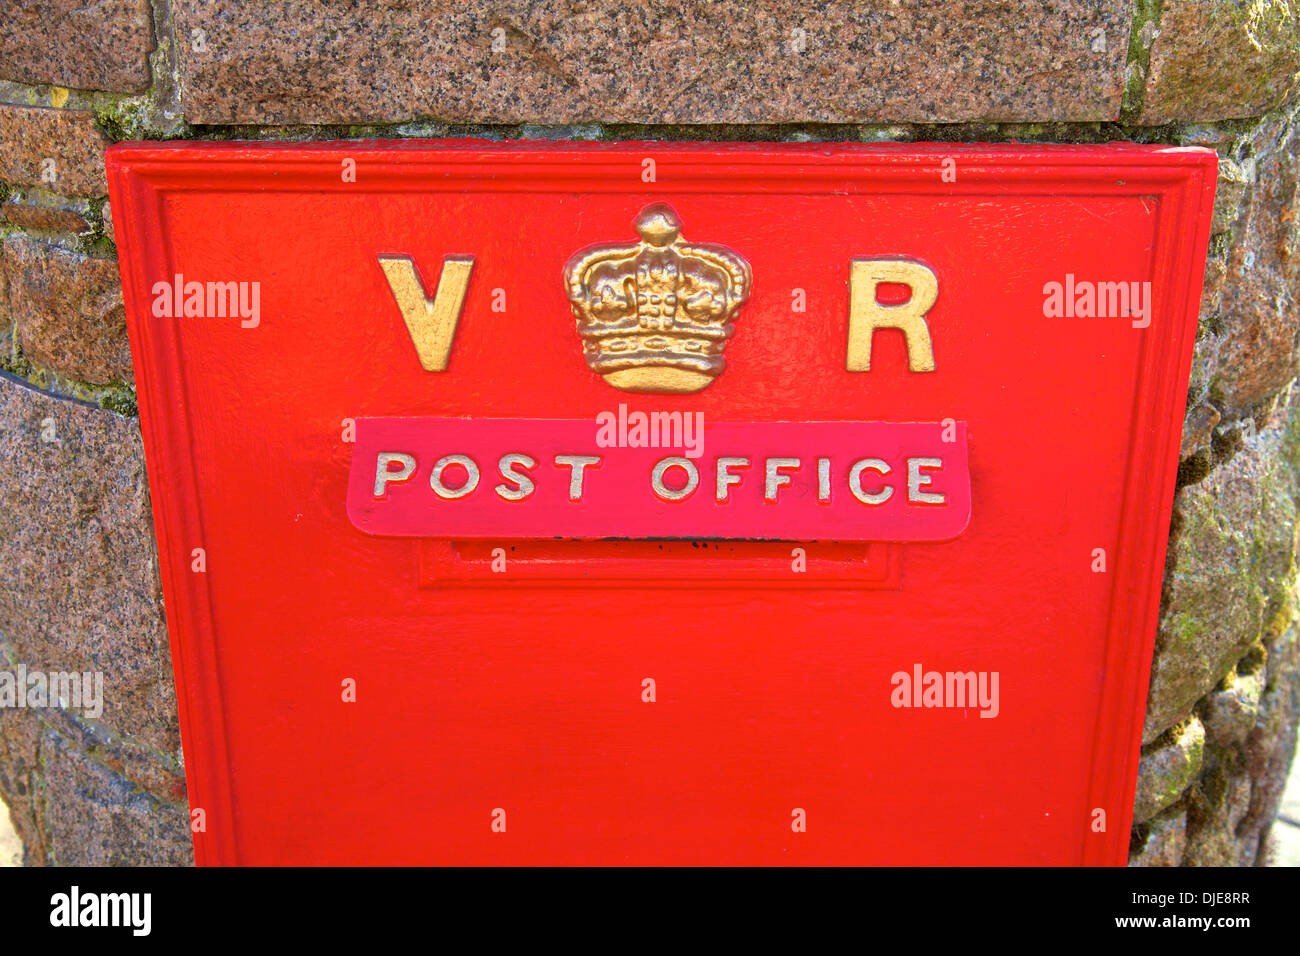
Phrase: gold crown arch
(655, 316)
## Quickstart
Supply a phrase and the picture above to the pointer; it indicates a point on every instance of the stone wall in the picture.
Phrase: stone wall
(78, 581)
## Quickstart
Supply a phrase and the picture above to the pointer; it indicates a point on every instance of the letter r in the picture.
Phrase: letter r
(866, 314)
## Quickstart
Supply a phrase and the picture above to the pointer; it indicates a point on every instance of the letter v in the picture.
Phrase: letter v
(432, 323)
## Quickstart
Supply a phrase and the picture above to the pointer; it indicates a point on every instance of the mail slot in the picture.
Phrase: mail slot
(797, 503)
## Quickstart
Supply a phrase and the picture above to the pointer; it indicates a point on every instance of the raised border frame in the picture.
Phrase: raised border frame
(1180, 179)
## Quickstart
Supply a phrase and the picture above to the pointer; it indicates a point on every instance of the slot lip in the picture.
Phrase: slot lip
(444, 563)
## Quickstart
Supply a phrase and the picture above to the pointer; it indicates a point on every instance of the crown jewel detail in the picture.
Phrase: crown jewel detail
(655, 316)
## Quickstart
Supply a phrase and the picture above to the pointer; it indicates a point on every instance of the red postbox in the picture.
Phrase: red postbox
(661, 503)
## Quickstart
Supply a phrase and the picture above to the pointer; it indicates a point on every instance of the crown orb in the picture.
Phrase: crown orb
(655, 316)
(658, 225)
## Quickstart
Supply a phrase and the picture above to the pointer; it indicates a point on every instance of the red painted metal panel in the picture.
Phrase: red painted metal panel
(781, 694)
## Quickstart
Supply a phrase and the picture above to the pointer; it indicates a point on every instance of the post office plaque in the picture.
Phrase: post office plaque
(661, 503)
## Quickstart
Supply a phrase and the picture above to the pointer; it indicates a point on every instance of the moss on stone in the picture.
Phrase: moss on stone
(16, 364)
(1259, 38)
(1146, 18)
(130, 118)
(1168, 767)
(114, 396)
(1281, 612)
(1252, 662)
(1271, 24)
(1291, 445)
(122, 400)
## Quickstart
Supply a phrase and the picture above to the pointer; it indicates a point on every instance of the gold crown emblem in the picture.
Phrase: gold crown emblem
(655, 316)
